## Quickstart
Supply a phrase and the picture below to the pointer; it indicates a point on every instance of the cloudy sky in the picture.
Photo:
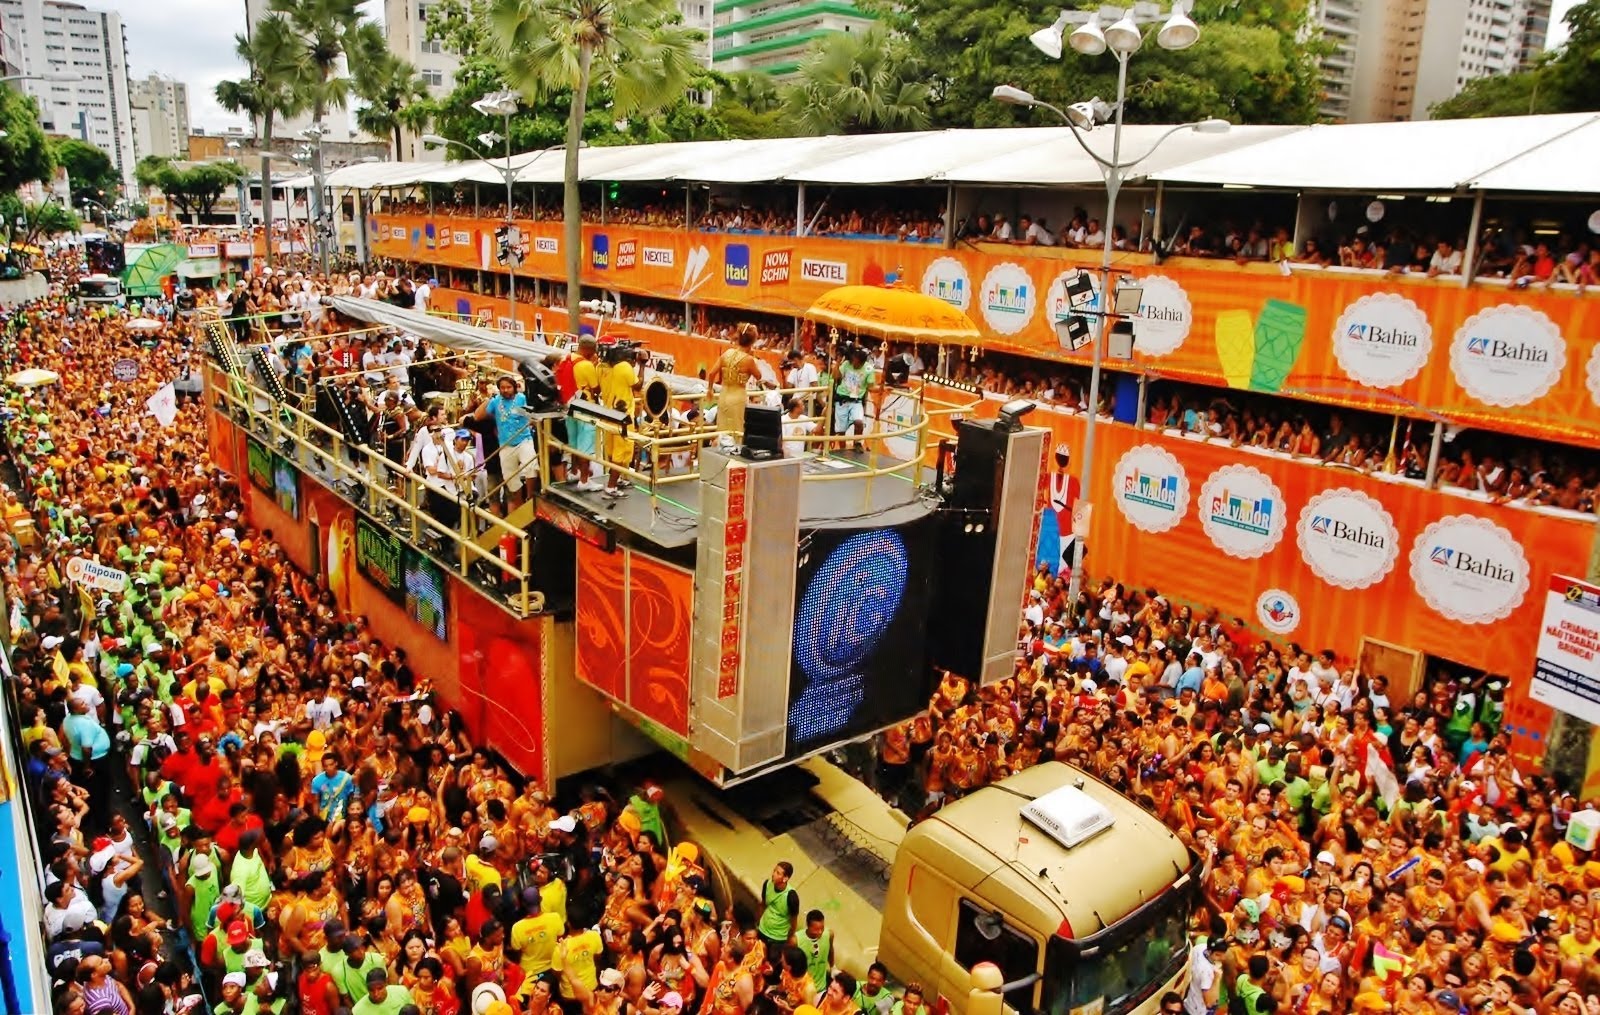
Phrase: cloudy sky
(192, 40)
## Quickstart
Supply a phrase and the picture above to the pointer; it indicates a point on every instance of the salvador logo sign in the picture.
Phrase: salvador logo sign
(946, 279)
(1508, 355)
(1382, 340)
(1347, 538)
(1151, 488)
(1242, 510)
(1008, 298)
(1469, 569)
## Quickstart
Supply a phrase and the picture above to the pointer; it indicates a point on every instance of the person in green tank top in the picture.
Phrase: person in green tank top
(249, 870)
(780, 910)
(817, 944)
(203, 891)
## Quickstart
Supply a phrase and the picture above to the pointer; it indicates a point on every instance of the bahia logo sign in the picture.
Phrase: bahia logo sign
(736, 264)
(1347, 538)
(1469, 569)
(1151, 488)
(1382, 340)
(1508, 355)
(600, 251)
(1165, 316)
(1242, 510)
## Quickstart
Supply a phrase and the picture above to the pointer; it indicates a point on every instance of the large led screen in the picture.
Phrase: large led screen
(858, 663)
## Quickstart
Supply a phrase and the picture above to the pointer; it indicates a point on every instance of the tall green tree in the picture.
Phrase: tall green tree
(857, 83)
(637, 49)
(271, 89)
(1564, 81)
(29, 223)
(25, 153)
(337, 45)
(193, 189)
(396, 97)
(89, 170)
(1271, 64)
(750, 104)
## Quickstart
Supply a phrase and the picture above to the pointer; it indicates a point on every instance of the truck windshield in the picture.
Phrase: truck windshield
(99, 288)
(1120, 968)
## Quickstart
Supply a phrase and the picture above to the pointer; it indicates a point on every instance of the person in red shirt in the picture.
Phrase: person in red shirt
(240, 820)
(175, 769)
(203, 774)
(318, 995)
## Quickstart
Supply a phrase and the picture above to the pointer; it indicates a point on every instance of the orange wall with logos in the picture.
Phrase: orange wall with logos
(1518, 361)
(1185, 562)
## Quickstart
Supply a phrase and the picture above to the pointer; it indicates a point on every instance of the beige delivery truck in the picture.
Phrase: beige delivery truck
(1077, 894)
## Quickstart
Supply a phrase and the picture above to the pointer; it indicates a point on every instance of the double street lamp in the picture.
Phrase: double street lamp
(502, 104)
(1123, 37)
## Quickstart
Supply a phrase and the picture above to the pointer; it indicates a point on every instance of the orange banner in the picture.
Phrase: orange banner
(1520, 361)
(1317, 555)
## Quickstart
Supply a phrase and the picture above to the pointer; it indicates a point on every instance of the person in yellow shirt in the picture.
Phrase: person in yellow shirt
(1581, 940)
(534, 937)
(479, 868)
(574, 959)
(619, 387)
(552, 893)
(580, 432)
(1511, 848)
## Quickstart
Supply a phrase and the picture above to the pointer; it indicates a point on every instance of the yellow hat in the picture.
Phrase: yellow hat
(688, 852)
(630, 822)
(191, 597)
(419, 815)
(246, 545)
(1591, 870)
(499, 1008)
(807, 1009)
(1505, 932)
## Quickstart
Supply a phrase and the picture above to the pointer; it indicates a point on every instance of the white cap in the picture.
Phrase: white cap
(1326, 857)
(51, 642)
(256, 958)
(237, 979)
(1474, 864)
(1158, 645)
(565, 823)
(1123, 639)
(201, 865)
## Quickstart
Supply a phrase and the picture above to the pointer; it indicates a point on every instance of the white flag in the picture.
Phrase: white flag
(163, 405)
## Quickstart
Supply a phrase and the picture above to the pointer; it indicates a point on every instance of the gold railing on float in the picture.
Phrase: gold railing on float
(361, 476)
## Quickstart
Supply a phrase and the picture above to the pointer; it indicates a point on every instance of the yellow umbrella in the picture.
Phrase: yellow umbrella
(893, 313)
(33, 377)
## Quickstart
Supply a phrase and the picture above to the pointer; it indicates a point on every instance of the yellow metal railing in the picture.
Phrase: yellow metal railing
(361, 476)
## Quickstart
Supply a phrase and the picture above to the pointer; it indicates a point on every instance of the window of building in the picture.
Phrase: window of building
(434, 78)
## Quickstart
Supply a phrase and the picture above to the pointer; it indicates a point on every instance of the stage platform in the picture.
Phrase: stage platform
(672, 518)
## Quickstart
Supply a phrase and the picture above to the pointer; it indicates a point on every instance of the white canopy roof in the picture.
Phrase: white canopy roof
(1427, 155)
(1553, 154)
(1060, 160)
(1566, 164)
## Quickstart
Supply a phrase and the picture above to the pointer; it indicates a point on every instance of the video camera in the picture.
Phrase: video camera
(621, 351)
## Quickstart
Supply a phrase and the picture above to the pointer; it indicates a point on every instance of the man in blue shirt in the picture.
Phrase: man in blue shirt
(88, 747)
(1193, 676)
(519, 452)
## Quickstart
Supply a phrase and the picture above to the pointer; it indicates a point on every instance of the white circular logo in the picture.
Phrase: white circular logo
(1382, 340)
(1347, 538)
(1008, 298)
(1508, 355)
(1150, 488)
(1278, 611)
(1242, 510)
(946, 279)
(1469, 569)
(1165, 316)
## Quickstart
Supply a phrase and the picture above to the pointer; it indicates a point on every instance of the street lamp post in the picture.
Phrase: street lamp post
(502, 104)
(1123, 38)
(315, 133)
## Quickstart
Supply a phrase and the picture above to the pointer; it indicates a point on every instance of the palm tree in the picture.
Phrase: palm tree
(856, 83)
(329, 33)
(638, 49)
(270, 91)
(396, 94)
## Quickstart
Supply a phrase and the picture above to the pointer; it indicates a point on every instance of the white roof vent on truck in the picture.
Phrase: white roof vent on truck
(1068, 815)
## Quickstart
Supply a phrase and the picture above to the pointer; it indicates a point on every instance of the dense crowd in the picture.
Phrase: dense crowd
(1367, 849)
(250, 802)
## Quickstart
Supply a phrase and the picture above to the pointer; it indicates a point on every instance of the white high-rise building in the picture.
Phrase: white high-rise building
(160, 117)
(60, 38)
(1396, 59)
(405, 23)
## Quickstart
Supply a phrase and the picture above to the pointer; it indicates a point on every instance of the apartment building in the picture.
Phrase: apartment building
(62, 39)
(772, 35)
(1396, 59)
(160, 116)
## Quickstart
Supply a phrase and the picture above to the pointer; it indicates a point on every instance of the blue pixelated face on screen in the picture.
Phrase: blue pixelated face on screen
(846, 608)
